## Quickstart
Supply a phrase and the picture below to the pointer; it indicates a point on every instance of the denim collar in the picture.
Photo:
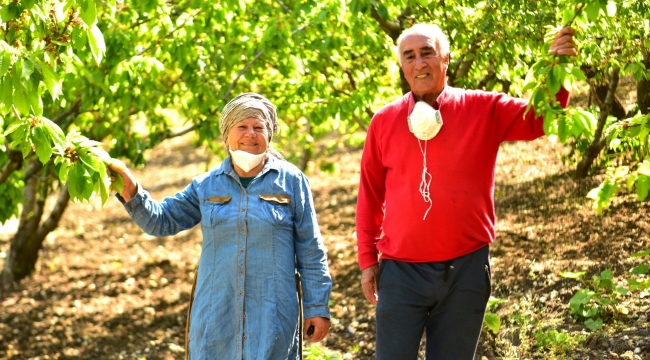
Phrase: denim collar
(272, 163)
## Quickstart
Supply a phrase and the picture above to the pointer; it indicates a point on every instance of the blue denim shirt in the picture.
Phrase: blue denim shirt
(245, 303)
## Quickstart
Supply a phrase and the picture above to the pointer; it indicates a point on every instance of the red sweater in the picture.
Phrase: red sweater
(461, 159)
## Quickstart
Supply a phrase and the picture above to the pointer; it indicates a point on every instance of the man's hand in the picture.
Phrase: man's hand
(129, 190)
(563, 43)
(320, 325)
(369, 283)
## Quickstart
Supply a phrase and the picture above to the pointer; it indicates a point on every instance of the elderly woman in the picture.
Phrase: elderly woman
(259, 227)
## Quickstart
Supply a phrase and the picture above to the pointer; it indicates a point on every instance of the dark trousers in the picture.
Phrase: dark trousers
(448, 299)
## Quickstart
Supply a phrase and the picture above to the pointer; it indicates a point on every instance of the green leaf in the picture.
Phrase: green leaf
(6, 91)
(639, 270)
(104, 184)
(492, 322)
(5, 62)
(27, 4)
(21, 100)
(562, 130)
(9, 12)
(96, 41)
(35, 103)
(54, 131)
(383, 12)
(578, 74)
(13, 127)
(640, 254)
(88, 12)
(607, 274)
(581, 297)
(42, 145)
(553, 82)
(644, 168)
(80, 182)
(90, 159)
(28, 67)
(572, 275)
(592, 9)
(52, 81)
(63, 172)
(621, 290)
(101, 154)
(78, 38)
(118, 184)
(642, 187)
(594, 324)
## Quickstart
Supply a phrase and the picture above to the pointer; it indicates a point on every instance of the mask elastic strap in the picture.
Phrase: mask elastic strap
(425, 185)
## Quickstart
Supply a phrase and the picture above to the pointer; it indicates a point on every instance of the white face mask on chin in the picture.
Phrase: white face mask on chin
(425, 123)
(245, 160)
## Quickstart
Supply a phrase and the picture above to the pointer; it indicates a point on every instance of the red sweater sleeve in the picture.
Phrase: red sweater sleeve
(510, 112)
(370, 201)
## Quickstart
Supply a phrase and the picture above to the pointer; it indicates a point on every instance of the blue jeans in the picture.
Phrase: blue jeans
(448, 299)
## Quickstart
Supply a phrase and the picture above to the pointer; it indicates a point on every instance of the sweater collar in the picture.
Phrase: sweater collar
(410, 98)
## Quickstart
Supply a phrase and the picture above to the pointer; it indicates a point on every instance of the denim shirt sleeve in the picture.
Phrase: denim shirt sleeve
(311, 254)
(168, 217)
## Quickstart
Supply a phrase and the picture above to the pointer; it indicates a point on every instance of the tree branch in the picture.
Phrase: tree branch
(55, 215)
(169, 33)
(283, 6)
(14, 163)
(609, 100)
(177, 134)
(34, 167)
(241, 73)
(74, 109)
(390, 27)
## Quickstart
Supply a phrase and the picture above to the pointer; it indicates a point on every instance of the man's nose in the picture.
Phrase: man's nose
(419, 62)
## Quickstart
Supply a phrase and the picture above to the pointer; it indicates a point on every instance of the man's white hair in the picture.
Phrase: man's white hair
(429, 30)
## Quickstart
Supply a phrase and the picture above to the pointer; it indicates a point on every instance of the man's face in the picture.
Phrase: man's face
(424, 66)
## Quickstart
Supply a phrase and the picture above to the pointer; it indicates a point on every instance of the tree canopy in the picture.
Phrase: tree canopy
(84, 80)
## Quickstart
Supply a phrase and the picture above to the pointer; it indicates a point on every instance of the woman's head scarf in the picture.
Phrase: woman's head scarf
(245, 106)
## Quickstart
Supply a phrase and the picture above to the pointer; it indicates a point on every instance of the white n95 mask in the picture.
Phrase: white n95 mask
(425, 121)
(245, 160)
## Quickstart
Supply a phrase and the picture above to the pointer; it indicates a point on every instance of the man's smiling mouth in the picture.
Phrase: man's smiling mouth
(421, 76)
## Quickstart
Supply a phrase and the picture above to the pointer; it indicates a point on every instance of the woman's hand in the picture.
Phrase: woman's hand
(129, 190)
(321, 327)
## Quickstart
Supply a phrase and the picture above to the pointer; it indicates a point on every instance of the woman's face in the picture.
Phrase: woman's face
(250, 135)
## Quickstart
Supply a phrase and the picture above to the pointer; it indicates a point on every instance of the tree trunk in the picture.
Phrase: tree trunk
(308, 149)
(601, 90)
(643, 88)
(28, 240)
(597, 145)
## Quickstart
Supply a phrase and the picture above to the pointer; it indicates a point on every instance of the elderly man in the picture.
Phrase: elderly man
(426, 201)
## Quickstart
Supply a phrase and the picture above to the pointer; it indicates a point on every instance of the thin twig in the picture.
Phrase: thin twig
(575, 15)
(177, 134)
(170, 33)
(13, 107)
(241, 73)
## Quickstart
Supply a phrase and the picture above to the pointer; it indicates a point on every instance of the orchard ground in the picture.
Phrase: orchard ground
(105, 290)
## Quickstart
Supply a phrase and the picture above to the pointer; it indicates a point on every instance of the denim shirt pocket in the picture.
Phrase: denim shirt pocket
(276, 208)
(212, 209)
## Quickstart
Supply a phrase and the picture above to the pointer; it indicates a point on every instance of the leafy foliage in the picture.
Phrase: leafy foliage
(599, 299)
